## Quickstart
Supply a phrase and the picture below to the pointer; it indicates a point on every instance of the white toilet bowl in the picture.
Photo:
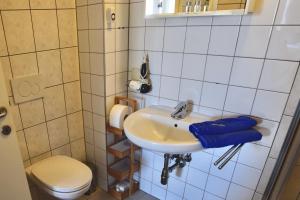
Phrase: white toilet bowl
(61, 176)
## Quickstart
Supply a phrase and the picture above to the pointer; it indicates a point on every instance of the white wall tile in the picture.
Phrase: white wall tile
(174, 39)
(225, 173)
(253, 155)
(137, 14)
(215, 182)
(122, 39)
(136, 38)
(280, 136)
(246, 72)
(213, 95)
(269, 105)
(197, 39)
(192, 192)
(147, 157)
(223, 40)
(155, 60)
(253, 41)
(122, 14)
(176, 22)
(264, 180)
(176, 186)
(169, 87)
(193, 66)
(246, 176)
(146, 172)
(208, 196)
(158, 192)
(197, 21)
(172, 196)
(226, 20)
(239, 192)
(218, 69)
(268, 129)
(97, 85)
(95, 13)
(278, 75)
(196, 178)
(239, 99)
(287, 12)
(154, 34)
(172, 64)
(190, 90)
(284, 43)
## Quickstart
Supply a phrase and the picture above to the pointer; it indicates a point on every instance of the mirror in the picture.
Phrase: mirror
(165, 8)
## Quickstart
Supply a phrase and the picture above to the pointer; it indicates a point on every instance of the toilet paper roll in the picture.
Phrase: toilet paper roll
(117, 115)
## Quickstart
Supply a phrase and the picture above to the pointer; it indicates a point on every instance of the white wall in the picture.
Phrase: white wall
(227, 66)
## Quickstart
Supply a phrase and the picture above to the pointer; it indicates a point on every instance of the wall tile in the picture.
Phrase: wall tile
(174, 39)
(121, 39)
(67, 28)
(218, 69)
(213, 95)
(96, 63)
(122, 11)
(196, 178)
(294, 96)
(7, 4)
(213, 183)
(96, 41)
(110, 63)
(287, 13)
(238, 192)
(50, 67)
(54, 102)
(73, 97)
(18, 29)
(201, 161)
(99, 123)
(97, 85)
(45, 29)
(83, 41)
(122, 61)
(37, 140)
(98, 105)
(64, 150)
(191, 192)
(239, 99)
(3, 46)
(85, 80)
(266, 175)
(136, 38)
(246, 72)
(24, 64)
(268, 129)
(58, 132)
(253, 41)
(190, 90)
(78, 150)
(95, 13)
(86, 101)
(7, 73)
(278, 75)
(109, 40)
(42, 4)
(137, 14)
(269, 105)
(88, 119)
(82, 17)
(193, 66)
(227, 171)
(172, 64)
(75, 126)
(154, 34)
(65, 3)
(284, 43)
(220, 46)
(158, 192)
(22, 145)
(246, 176)
(208, 196)
(176, 186)
(197, 39)
(253, 155)
(110, 84)
(32, 113)
(169, 87)
(70, 65)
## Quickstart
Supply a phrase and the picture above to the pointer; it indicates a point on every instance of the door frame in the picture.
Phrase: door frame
(286, 160)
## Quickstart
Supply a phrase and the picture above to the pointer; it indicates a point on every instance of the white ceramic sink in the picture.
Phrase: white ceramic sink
(154, 129)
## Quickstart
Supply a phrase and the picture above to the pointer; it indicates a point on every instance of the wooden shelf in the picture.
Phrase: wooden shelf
(116, 131)
(123, 195)
(120, 169)
(121, 149)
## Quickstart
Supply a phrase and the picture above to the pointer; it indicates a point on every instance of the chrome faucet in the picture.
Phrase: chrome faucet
(181, 110)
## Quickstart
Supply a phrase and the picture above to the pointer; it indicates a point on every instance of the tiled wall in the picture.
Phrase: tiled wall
(39, 37)
(103, 52)
(227, 66)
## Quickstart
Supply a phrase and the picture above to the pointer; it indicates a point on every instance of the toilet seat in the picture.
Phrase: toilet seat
(61, 176)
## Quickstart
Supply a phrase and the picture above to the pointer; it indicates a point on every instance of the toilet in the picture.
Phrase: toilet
(61, 176)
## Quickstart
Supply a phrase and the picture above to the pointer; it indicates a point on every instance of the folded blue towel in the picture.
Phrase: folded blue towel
(226, 139)
(223, 125)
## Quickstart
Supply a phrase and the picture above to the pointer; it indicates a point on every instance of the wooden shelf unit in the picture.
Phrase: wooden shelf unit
(123, 150)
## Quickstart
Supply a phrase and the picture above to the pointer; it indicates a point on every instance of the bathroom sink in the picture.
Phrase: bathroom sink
(154, 129)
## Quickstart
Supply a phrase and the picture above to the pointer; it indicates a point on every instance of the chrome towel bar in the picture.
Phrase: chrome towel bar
(228, 155)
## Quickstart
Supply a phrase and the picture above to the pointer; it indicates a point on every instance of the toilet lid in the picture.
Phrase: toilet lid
(62, 173)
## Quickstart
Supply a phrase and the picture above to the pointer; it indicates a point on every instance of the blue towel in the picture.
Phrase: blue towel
(223, 125)
(226, 139)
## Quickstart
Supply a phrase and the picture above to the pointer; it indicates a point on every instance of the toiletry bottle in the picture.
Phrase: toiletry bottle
(206, 5)
(188, 6)
(197, 6)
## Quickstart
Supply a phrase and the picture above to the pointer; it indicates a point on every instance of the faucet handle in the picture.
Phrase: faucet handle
(181, 104)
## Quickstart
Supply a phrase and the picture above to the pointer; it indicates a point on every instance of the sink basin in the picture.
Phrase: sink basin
(154, 129)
